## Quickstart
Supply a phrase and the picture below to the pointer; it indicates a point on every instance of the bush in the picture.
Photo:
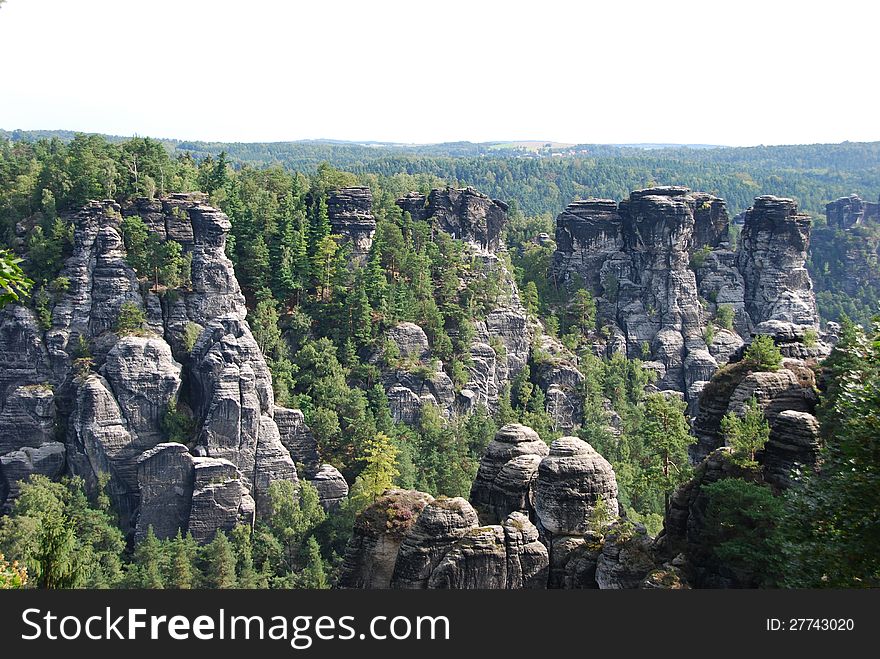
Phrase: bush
(810, 338)
(724, 316)
(747, 434)
(131, 319)
(763, 354)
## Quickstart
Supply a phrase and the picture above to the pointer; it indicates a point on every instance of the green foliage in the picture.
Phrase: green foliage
(698, 258)
(219, 562)
(741, 528)
(64, 540)
(14, 284)
(178, 423)
(832, 529)
(811, 337)
(12, 575)
(191, 332)
(130, 320)
(763, 354)
(747, 434)
(724, 316)
(666, 439)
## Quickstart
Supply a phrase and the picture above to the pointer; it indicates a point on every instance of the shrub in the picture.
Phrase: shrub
(810, 338)
(763, 354)
(747, 434)
(131, 319)
(724, 316)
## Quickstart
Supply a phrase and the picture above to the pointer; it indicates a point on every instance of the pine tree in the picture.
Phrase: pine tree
(219, 559)
(312, 575)
(183, 574)
(747, 434)
(666, 438)
(148, 560)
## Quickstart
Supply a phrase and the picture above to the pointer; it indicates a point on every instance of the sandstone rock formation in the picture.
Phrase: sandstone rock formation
(848, 212)
(113, 404)
(655, 260)
(507, 475)
(447, 548)
(378, 532)
(572, 481)
(350, 211)
(465, 214)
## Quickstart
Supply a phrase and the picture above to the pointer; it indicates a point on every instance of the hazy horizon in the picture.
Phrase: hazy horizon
(392, 72)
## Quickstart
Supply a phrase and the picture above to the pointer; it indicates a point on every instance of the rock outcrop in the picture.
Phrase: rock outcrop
(350, 211)
(465, 214)
(771, 257)
(79, 398)
(572, 481)
(791, 388)
(661, 268)
(446, 548)
(378, 532)
(848, 212)
(507, 475)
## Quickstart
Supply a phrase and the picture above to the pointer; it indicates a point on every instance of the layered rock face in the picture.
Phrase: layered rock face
(378, 533)
(660, 266)
(790, 389)
(771, 258)
(503, 340)
(350, 211)
(105, 416)
(572, 481)
(446, 548)
(463, 213)
(848, 212)
(845, 254)
(508, 473)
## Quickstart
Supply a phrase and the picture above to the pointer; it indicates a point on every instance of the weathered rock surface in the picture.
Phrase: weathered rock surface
(771, 257)
(792, 387)
(165, 476)
(298, 439)
(625, 559)
(220, 499)
(463, 213)
(848, 212)
(378, 532)
(793, 445)
(508, 473)
(350, 211)
(112, 416)
(655, 258)
(331, 485)
(440, 525)
(572, 480)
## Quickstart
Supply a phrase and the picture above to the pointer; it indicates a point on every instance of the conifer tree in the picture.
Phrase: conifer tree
(220, 562)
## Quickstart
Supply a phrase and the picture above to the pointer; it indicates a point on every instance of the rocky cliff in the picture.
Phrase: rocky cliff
(661, 267)
(80, 398)
(350, 211)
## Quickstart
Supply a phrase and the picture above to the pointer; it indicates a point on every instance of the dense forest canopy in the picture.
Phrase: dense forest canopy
(545, 180)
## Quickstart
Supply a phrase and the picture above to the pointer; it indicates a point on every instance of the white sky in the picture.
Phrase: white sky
(736, 72)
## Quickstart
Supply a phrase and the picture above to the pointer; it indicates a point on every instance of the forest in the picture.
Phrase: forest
(320, 323)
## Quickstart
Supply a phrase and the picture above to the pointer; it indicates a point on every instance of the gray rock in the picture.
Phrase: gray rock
(793, 446)
(572, 480)
(166, 478)
(378, 532)
(440, 525)
(411, 341)
(48, 459)
(625, 560)
(507, 475)
(220, 499)
(331, 485)
(298, 439)
(144, 379)
(350, 211)
(771, 257)
(463, 213)
(272, 463)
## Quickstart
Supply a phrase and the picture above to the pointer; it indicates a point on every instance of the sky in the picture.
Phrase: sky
(737, 72)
